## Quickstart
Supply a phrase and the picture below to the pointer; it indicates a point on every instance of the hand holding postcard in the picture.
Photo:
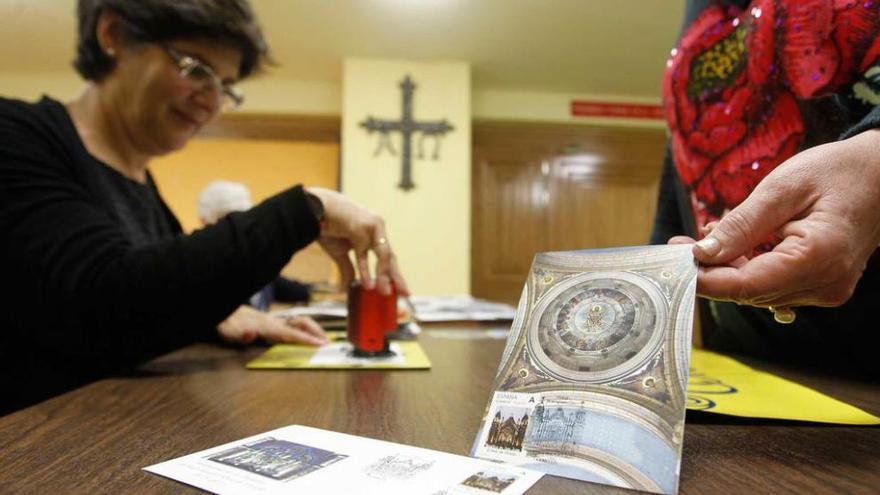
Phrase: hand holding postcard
(592, 382)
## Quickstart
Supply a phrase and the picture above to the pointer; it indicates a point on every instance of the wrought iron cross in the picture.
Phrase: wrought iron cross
(407, 127)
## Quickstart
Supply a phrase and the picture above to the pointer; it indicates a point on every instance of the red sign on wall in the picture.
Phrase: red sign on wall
(583, 108)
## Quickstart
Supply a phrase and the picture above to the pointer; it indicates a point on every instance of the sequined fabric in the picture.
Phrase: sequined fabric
(733, 85)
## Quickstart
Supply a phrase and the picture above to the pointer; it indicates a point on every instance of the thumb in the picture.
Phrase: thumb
(763, 213)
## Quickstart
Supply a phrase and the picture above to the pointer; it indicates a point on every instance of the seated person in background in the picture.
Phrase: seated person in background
(97, 275)
(774, 164)
(222, 197)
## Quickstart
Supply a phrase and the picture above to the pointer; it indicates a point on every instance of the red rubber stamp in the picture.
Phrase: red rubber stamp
(371, 316)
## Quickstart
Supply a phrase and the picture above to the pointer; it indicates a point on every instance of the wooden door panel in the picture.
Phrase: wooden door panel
(518, 189)
(509, 195)
(552, 188)
(600, 215)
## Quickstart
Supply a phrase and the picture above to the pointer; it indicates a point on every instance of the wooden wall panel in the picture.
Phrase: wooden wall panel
(553, 187)
(512, 219)
(312, 128)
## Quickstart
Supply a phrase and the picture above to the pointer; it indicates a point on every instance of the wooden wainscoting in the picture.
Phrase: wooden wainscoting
(312, 128)
(556, 187)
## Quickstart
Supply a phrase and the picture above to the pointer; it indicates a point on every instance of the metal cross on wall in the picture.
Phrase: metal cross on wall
(407, 127)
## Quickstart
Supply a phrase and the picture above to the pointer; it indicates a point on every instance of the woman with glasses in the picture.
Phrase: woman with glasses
(97, 275)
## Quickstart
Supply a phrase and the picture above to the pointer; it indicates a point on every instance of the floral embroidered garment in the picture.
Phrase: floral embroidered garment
(735, 83)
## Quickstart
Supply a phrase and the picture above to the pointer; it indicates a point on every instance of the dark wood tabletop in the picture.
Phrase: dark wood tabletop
(97, 438)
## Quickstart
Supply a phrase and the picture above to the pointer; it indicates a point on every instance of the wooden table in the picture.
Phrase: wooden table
(96, 439)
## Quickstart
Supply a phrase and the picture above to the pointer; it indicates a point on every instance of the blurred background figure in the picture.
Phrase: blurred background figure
(222, 197)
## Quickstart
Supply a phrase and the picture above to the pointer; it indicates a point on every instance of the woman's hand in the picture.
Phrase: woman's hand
(352, 227)
(824, 205)
(246, 324)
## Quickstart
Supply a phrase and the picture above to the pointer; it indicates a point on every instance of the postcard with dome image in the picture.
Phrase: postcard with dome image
(592, 382)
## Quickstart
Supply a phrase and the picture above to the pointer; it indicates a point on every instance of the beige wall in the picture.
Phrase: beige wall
(537, 106)
(268, 94)
(265, 166)
(430, 224)
(62, 85)
(264, 93)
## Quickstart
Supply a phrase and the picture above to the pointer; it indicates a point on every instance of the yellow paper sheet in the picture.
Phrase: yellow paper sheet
(723, 385)
(287, 356)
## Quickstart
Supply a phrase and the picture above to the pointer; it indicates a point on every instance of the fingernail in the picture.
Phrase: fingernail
(709, 245)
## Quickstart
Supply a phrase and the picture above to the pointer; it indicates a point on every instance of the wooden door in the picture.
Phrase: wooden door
(553, 187)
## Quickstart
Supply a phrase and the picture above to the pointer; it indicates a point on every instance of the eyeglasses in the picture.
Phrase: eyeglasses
(202, 74)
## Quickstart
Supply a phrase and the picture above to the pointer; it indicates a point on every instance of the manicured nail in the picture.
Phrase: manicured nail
(710, 246)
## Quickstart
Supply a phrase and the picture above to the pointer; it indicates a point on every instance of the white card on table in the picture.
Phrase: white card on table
(299, 459)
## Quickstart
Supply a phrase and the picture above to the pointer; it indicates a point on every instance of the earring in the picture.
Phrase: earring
(110, 51)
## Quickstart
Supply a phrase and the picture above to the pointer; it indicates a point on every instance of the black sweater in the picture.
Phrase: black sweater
(80, 300)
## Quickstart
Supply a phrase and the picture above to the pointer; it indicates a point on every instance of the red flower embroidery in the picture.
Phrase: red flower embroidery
(732, 85)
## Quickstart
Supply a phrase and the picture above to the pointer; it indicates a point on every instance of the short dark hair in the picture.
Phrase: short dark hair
(231, 22)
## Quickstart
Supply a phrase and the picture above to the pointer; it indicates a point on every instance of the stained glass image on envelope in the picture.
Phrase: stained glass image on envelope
(592, 382)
